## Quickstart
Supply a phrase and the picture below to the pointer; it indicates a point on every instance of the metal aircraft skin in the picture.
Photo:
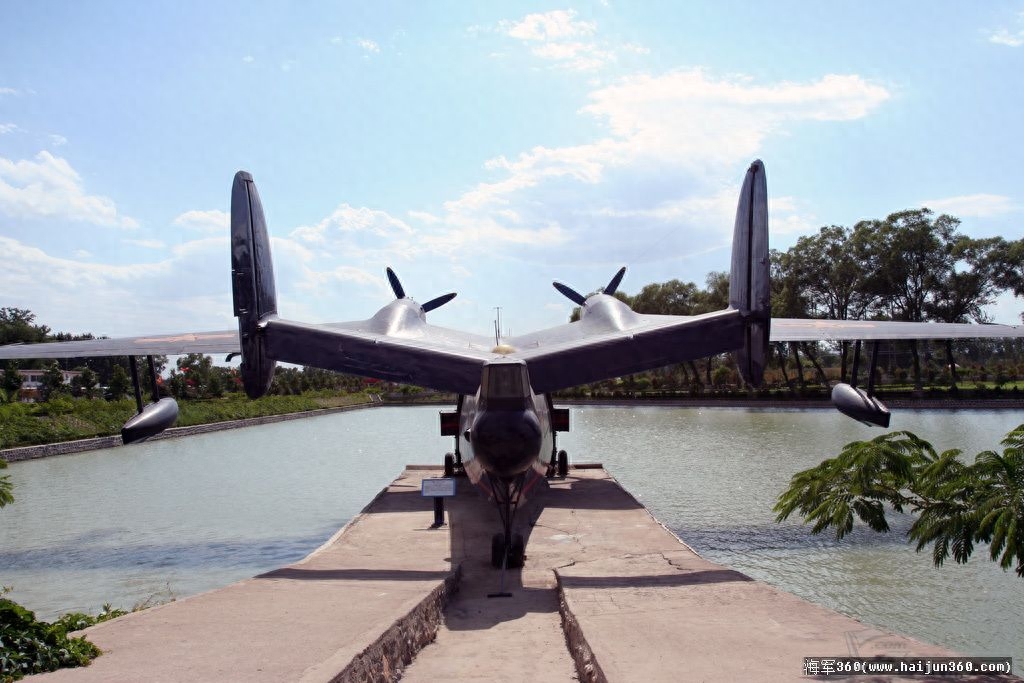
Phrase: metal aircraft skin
(504, 424)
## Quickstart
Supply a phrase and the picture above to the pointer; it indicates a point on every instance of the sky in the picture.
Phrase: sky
(482, 148)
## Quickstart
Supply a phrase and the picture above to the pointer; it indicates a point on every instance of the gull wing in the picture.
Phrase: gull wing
(413, 353)
(800, 329)
(621, 343)
(424, 355)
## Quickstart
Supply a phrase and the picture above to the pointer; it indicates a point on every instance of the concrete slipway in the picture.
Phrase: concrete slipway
(607, 593)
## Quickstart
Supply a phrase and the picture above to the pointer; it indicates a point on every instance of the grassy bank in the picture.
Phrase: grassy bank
(66, 419)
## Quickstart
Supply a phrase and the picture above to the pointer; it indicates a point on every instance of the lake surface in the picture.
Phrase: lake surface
(172, 518)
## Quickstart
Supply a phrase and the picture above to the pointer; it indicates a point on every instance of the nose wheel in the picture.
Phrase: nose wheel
(507, 549)
(513, 549)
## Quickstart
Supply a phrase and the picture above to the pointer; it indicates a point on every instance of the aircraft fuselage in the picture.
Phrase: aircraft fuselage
(505, 429)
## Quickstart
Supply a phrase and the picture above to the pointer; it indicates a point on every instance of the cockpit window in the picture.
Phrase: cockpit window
(504, 380)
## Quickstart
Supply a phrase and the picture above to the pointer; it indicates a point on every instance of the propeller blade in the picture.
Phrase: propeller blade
(396, 286)
(438, 302)
(614, 284)
(570, 293)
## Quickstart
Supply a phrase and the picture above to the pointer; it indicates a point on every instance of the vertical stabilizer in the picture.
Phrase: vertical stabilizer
(749, 288)
(252, 282)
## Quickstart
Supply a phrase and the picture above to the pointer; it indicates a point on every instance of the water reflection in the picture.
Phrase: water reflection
(182, 516)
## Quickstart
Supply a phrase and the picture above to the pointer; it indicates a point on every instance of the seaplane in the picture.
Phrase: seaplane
(504, 424)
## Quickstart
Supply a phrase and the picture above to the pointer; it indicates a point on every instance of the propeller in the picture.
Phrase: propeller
(571, 293)
(396, 285)
(613, 284)
(581, 300)
(436, 302)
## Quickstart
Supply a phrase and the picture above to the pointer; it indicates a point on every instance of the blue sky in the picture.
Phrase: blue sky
(485, 148)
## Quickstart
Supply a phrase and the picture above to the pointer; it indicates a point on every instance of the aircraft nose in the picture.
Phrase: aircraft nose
(506, 442)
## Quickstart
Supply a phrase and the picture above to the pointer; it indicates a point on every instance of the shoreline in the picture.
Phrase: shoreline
(47, 450)
(37, 451)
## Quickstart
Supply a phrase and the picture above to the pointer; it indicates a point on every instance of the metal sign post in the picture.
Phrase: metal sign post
(438, 489)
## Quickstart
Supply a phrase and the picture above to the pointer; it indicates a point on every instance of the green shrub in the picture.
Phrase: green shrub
(29, 646)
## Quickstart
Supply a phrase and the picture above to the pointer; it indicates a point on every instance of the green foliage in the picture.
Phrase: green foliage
(6, 497)
(60, 419)
(11, 379)
(85, 383)
(957, 505)
(29, 646)
(18, 325)
(120, 383)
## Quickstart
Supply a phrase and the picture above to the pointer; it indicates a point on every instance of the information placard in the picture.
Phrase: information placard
(437, 488)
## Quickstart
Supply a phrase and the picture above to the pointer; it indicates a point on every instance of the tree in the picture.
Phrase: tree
(18, 325)
(6, 497)
(194, 378)
(53, 381)
(119, 383)
(12, 379)
(957, 504)
(667, 298)
(85, 383)
(903, 256)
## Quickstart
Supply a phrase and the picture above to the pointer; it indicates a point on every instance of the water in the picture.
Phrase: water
(177, 517)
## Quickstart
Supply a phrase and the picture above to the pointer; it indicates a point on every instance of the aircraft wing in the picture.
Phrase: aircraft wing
(800, 329)
(424, 355)
(578, 353)
(223, 341)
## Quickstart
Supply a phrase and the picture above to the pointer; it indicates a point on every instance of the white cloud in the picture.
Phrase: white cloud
(146, 244)
(1004, 37)
(48, 187)
(1009, 37)
(347, 221)
(9, 91)
(687, 114)
(248, 59)
(567, 42)
(685, 132)
(367, 45)
(214, 221)
(58, 140)
(973, 205)
(554, 25)
(6, 128)
(576, 56)
(424, 217)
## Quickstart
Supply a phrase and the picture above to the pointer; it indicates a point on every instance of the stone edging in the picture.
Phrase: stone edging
(587, 667)
(396, 648)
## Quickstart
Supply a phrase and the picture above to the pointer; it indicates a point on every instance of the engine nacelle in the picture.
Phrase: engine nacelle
(252, 283)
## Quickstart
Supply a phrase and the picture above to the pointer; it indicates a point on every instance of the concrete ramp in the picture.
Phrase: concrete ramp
(607, 594)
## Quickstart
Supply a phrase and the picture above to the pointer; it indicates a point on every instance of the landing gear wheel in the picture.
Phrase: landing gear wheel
(563, 464)
(517, 554)
(516, 551)
(449, 465)
(497, 550)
